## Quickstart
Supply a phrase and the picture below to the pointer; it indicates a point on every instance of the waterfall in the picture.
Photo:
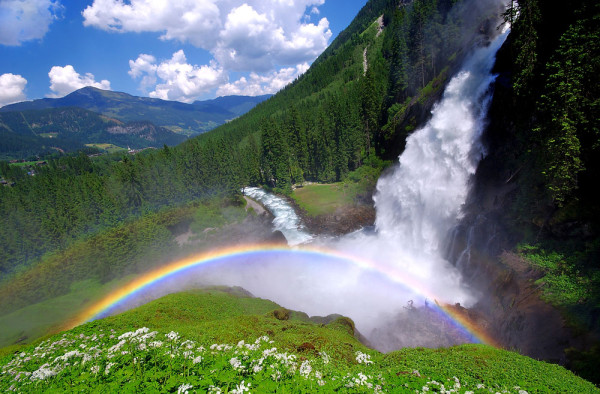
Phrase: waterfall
(397, 266)
(420, 201)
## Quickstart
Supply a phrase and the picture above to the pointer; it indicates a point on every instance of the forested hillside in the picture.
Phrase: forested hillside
(25, 134)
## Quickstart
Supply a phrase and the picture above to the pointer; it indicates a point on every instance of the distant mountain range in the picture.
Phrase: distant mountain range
(95, 116)
(38, 132)
(181, 118)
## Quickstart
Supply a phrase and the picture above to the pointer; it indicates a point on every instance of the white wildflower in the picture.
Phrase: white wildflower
(126, 335)
(95, 369)
(117, 347)
(108, 367)
(184, 388)
(523, 392)
(155, 344)
(172, 336)
(456, 383)
(241, 388)
(197, 360)
(241, 344)
(236, 364)
(214, 390)
(363, 358)
(269, 352)
(141, 331)
(43, 372)
(305, 369)
(276, 376)
(325, 357)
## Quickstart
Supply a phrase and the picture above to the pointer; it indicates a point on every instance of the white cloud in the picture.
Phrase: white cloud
(256, 85)
(179, 80)
(64, 80)
(24, 20)
(11, 89)
(196, 21)
(250, 35)
(144, 66)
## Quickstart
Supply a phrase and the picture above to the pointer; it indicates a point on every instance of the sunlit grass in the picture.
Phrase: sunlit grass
(221, 341)
(323, 199)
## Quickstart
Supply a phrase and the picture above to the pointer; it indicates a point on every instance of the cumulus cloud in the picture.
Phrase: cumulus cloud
(144, 66)
(180, 80)
(64, 80)
(269, 83)
(249, 35)
(11, 89)
(24, 20)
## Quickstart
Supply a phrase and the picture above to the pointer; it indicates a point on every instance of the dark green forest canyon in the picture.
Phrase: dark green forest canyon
(86, 224)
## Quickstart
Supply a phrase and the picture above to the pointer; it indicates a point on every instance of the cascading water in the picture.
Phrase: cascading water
(420, 201)
(285, 220)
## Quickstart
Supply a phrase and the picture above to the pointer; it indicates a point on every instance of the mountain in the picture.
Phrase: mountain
(187, 119)
(35, 132)
(238, 105)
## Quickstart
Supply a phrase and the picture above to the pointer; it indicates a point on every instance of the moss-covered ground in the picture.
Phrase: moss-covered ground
(222, 340)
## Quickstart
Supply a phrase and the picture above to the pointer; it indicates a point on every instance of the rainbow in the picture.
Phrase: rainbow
(103, 306)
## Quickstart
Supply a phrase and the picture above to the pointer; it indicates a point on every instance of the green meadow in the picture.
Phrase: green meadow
(221, 340)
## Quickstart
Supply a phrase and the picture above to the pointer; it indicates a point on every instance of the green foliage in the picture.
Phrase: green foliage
(555, 65)
(112, 253)
(570, 278)
(222, 341)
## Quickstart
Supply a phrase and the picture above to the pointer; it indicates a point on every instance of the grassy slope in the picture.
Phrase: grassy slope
(23, 322)
(323, 199)
(226, 316)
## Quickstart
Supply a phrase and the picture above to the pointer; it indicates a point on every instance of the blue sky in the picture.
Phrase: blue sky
(177, 50)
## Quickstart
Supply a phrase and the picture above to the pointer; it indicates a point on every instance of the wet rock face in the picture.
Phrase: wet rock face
(510, 300)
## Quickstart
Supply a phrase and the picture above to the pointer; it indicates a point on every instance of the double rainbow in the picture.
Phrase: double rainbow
(145, 281)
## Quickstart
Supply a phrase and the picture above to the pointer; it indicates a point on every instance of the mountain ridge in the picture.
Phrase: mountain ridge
(187, 119)
(38, 132)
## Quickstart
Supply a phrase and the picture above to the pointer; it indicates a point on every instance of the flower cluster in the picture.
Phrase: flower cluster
(147, 356)
(167, 362)
(363, 358)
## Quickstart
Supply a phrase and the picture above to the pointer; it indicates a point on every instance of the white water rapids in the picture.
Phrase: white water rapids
(285, 220)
